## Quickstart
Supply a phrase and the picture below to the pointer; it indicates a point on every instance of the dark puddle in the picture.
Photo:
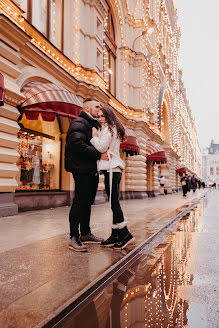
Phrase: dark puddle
(147, 294)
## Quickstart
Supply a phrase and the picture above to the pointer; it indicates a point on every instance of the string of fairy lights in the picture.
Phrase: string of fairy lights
(162, 43)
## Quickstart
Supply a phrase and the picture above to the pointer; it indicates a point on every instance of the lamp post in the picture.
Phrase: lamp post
(148, 31)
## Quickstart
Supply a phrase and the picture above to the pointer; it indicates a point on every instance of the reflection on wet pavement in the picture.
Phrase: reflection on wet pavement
(40, 277)
(147, 294)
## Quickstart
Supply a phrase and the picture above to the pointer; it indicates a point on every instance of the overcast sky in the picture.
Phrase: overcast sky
(199, 60)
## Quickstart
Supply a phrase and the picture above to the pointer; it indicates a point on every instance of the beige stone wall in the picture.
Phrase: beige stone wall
(10, 60)
(150, 95)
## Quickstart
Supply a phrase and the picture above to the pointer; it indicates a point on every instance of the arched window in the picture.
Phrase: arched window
(109, 57)
(47, 17)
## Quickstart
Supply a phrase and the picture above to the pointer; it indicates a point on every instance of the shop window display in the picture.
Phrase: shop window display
(38, 162)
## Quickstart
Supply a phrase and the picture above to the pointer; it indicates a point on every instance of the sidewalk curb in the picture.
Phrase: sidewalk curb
(83, 297)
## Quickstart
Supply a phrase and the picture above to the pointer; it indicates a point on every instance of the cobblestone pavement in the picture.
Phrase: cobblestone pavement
(39, 275)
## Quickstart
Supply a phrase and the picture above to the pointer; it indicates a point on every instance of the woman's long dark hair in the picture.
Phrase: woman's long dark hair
(113, 121)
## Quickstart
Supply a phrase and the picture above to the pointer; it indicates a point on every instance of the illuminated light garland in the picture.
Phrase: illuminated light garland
(76, 33)
(161, 34)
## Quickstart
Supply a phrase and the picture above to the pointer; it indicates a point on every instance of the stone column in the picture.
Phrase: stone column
(156, 183)
(175, 176)
(12, 39)
(178, 184)
(153, 184)
(172, 173)
(135, 176)
(9, 172)
(135, 170)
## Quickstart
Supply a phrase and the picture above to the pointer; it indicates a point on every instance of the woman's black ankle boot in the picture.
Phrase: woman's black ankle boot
(113, 239)
(125, 237)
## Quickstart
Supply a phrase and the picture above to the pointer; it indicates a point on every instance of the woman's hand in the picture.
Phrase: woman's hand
(94, 132)
(104, 156)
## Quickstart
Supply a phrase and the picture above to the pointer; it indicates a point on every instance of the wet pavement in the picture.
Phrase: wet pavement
(39, 275)
(172, 284)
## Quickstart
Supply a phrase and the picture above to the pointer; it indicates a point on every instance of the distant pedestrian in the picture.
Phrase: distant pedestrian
(81, 159)
(162, 184)
(189, 184)
(162, 181)
(194, 183)
(184, 184)
(107, 139)
(203, 184)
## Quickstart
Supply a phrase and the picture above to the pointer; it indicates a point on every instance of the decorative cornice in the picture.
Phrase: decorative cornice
(12, 98)
(99, 4)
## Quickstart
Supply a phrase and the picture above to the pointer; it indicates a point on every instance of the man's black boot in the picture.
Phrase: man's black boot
(114, 238)
(125, 238)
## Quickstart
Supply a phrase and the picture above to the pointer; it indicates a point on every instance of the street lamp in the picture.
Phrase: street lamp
(148, 31)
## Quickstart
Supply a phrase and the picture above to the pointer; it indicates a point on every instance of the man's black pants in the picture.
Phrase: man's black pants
(85, 192)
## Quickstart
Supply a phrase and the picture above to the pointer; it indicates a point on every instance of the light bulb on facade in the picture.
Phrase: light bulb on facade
(150, 30)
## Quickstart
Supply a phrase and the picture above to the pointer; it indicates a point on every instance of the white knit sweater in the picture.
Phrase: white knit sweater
(105, 141)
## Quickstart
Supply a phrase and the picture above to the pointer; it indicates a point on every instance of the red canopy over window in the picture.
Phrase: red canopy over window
(130, 145)
(49, 99)
(2, 90)
(159, 157)
(180, 168)
(155, 153)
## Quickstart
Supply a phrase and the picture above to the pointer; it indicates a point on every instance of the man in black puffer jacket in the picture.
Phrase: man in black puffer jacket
(81, 159)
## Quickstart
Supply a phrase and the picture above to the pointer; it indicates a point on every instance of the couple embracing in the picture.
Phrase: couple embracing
(93, 147)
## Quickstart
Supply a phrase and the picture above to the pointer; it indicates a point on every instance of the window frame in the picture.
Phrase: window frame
(47, 35)
(111, 47)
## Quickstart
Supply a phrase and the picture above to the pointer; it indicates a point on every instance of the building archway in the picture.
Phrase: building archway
(165, 128)
(164, 123)
(39, 149)
(33, 74)
(118, 16)
(41, 144)
(164, 115)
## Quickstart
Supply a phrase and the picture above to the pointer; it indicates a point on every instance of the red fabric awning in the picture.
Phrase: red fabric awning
(155, 152)
(181, 170)
(49, 99)
(159, 157)
(2, 90)
(130, 145)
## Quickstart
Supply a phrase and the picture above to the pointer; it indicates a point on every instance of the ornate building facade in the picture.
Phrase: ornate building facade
(210, 164)
(124, 53)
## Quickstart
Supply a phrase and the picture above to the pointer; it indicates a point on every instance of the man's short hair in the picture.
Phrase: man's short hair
(89, 99)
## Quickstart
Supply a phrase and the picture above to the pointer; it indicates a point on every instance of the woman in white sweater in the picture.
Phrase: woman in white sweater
(107, 140)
